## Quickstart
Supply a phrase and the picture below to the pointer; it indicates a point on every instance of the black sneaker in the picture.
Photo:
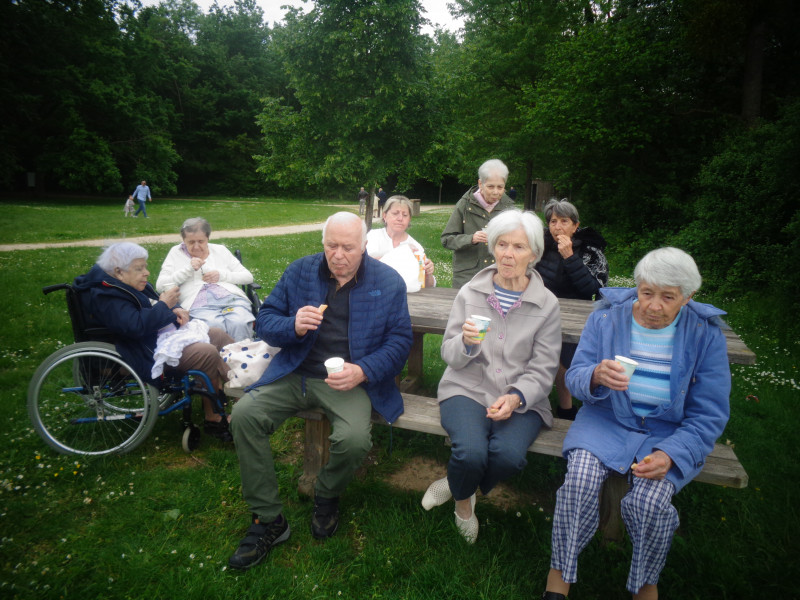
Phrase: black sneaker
(325, 520)
(218, 429)
(260, 539)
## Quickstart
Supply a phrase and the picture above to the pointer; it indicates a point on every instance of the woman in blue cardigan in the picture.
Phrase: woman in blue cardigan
(657, 426)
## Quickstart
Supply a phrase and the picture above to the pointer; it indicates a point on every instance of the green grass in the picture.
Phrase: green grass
(158, 523)
(61, 220)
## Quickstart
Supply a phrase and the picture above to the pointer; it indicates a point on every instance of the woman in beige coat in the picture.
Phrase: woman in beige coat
(493, 396)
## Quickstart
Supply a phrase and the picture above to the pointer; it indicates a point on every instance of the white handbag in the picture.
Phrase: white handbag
(247, 360)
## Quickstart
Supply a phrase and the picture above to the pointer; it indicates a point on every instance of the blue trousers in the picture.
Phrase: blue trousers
(484, 451)
(141, 207)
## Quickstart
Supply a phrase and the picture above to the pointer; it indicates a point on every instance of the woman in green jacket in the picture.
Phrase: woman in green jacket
(464, 233)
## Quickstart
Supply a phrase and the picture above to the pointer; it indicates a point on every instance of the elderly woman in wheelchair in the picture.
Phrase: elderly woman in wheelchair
(116, 295)
(208, 277)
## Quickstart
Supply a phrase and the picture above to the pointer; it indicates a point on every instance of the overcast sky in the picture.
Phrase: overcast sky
(436, 10)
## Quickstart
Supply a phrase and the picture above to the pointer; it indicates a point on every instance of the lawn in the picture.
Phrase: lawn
(158, 523)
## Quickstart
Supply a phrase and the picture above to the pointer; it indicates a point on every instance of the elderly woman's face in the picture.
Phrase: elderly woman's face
(397, 219)
(561, 226)
(492, 188)
(197, 244)
(658, 306)
(136, 275)
(513, 254)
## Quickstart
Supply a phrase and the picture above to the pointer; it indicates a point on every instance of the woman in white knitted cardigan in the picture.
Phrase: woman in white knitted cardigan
(209, 277)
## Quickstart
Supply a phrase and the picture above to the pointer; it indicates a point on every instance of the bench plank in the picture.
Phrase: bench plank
(422, 414)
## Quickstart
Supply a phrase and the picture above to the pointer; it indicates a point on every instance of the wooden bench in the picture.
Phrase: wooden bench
(422, 414)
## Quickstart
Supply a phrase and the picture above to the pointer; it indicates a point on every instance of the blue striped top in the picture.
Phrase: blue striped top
(652, 349)
(506, 298)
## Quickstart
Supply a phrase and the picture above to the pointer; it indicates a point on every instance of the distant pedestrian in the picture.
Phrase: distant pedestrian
(362, 200)
(512, 193)
(381, 200)
(129, 207)
(142, 194)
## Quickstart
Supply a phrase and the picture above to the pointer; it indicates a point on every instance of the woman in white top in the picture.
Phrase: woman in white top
(382, 242)
(209, 277)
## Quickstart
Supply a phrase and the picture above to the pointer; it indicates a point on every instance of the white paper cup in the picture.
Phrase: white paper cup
(334, 365)
(482, 323)
(628, 363)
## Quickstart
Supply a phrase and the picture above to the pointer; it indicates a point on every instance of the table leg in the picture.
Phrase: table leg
(414, 375)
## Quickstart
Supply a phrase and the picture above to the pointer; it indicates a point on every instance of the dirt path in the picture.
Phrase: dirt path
(171, 238)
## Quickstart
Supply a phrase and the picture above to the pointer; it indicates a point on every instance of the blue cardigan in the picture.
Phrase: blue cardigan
(379, 331)
(700, 384)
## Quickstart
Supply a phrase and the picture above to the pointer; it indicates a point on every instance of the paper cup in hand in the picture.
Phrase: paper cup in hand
(628, 363)
(334, 365)
(482, 324)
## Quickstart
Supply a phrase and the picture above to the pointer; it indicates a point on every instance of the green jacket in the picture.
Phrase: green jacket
(467, 218)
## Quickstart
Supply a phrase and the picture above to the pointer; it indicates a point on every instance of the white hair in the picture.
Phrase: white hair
(511, 220)
(669, 267)
(491, 167)
(120, 256)
(344, 217)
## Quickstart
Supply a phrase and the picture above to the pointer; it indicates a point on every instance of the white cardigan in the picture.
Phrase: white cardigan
(177, 270)
(379, 243)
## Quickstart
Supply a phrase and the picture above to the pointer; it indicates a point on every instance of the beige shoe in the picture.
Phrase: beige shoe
(438, 493)
(468, 528)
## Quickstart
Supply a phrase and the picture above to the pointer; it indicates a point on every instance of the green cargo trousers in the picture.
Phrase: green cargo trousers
(260, 412)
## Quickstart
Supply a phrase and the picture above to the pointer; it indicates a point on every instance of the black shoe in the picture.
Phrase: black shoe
(567, 413)
(325, 520)
(218, 429)
(553, 596)
(260, 539)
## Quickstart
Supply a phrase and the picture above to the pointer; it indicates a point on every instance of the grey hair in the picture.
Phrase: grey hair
(195, 224)
(491, 167)
(120, 256)
(669, 267)
(511, 220)
(402, 200)
(343, 217)
(562, 208)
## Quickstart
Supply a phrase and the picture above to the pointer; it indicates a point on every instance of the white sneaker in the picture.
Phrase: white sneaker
(468, 528)
(438, 493)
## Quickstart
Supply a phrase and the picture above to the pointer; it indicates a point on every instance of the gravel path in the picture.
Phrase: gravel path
(171, 238)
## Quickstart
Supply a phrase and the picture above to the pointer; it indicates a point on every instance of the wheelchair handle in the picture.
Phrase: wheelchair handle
(54, 288)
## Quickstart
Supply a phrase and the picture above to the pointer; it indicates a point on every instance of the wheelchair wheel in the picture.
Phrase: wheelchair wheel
(191, 438)
(84, 399)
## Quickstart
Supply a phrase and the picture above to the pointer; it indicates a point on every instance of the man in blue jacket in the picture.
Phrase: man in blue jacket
(339, 303)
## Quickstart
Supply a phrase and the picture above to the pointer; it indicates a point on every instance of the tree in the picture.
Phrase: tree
(503, 52)
(357, 99)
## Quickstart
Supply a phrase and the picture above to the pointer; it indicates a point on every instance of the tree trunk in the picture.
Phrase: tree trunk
(753, 72)
(370, 204)
(530, 198)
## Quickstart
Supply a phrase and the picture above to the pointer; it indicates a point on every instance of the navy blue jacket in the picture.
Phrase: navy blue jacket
(379, 332)
(135, 316)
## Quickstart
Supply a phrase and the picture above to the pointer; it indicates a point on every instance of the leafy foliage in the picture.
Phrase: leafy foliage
(357, 95)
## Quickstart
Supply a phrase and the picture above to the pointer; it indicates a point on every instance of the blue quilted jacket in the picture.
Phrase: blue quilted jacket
(379, 331)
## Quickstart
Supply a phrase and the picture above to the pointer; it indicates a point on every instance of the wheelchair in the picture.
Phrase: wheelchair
(84, 399)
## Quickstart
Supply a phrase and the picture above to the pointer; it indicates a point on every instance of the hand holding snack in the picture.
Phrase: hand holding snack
(308, 319)
(653, 466)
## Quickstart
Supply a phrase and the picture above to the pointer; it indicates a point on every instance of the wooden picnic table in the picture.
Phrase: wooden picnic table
(430, 308)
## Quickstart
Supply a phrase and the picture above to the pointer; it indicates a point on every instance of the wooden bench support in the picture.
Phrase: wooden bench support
(422, 414)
